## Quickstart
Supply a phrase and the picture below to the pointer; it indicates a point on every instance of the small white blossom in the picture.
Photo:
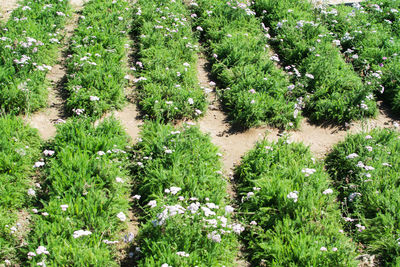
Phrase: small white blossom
(121, 216)
(293, 195)
(80, 233)
(152, 203)
(327, 191)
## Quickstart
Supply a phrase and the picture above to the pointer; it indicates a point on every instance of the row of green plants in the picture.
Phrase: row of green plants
(96, 68)
(289, 207)
(254, 89)
(365, 169)
(83, 198)
(331, 89)
(368, 42)
(28, 48)
(167, 85)
(182, 195)
(386, 11)
(19, 150)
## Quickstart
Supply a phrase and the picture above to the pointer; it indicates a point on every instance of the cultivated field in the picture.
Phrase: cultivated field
(199, 133)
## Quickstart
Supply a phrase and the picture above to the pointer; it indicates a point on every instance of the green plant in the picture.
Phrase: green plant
(289, 208)
(28, 47)
(19, 149)
(84, 197)
(186, 220)
(365, 170)
(167, 87)
(254, 90)
(96, 69)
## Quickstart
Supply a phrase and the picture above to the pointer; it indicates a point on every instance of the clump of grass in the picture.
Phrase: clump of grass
(290, 209)
(28, 47)
(186, 220)
(84, 197)
(19, 149)
(167, 78)
(96, 71)
(365, 170)
(254, 90)
(331, 89)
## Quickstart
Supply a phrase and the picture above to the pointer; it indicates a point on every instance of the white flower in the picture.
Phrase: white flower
(42, 250)
(368, 137)
(168, 151)
(250, 194)
(198, 112)
(119, 180)
(45, 214)
(80, 233)
(152, 203)
(369, 148)
(64, 207)
(48, 152)
(308, 171)
(94, 98)
(293, 195)
(207, 211)
(108, 242)
(352, 156)
(182, 254)
(35, 210)
(253, 223)
(168, 102)
(229, 209)
(174, 190)
(237, 228)
(194, 207)
(121, 216)
(136, 197)
(190, 100)
(323, 249)
(101, 153)
(327, 191)
(212, 206)
(352, 196)
(31, 192)
(334, 249)
(31, 254)
(38, 164)
(214, 236)
(309, 75)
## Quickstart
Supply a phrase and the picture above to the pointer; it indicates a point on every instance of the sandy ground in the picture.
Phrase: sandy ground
(45, 120)
(6, 7)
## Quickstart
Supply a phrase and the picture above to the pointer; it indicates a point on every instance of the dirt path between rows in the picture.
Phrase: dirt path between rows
(45, 120)
(6, 8)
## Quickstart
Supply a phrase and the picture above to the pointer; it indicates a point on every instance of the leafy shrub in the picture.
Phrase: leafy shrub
(257, 91)
(19, 148)
(96, 68)
(28, 46)
(177, 174)
(368, 43)
(84, 198)
(167, 87)
(365, 169)
(289, 208)
(331, 89)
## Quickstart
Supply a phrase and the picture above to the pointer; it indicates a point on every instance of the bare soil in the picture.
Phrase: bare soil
(45, 120)
(6, 7)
